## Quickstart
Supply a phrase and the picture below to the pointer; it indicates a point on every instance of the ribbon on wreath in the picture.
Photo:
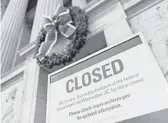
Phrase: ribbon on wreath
(60, 23)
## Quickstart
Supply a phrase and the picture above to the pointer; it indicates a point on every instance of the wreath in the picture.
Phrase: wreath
(77, 40)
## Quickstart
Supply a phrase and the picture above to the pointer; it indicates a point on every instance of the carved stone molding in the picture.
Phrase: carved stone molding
(11, 103)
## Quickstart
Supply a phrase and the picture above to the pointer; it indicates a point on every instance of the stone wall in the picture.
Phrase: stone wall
(12, 102)
(153, 23)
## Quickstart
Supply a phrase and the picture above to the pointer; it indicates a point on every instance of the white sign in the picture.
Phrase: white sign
(117, 83)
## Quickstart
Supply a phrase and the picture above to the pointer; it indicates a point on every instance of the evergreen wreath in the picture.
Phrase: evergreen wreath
(77, 40)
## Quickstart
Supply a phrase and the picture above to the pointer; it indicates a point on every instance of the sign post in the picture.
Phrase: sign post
(117, 83)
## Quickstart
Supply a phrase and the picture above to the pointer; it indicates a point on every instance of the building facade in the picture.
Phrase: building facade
(24, 82)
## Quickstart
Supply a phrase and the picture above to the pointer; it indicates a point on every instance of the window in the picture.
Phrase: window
(88, 1)
(67, 3)
(26, 31)
(93, 44)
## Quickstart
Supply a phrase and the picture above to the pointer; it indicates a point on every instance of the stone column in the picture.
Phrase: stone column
(35, 94)
(12, 23)
(44, 7)
(80, 3)
(117, 25)
(31, 75)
